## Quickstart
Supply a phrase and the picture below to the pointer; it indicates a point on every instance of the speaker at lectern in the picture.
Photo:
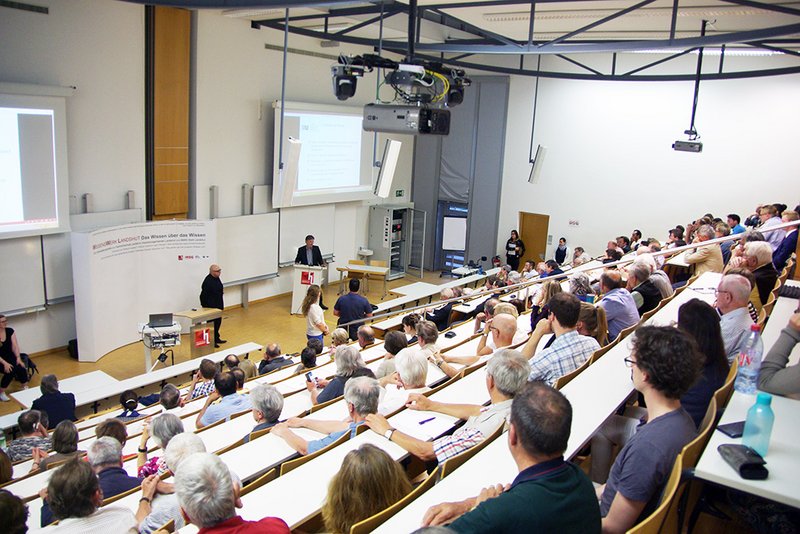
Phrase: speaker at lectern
(304, 276)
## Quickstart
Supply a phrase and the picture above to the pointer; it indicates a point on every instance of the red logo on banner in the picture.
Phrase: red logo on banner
(202, 337)
(307, 278)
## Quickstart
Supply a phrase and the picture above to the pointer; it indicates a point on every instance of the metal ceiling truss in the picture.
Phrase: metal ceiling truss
(483, 42)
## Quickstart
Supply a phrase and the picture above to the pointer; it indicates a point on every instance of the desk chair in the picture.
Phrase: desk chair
(458, 460)
(269, 476)
(169, 527)
(602, 350)
(723, 394)
(371, 523)
(291, 465)
(563, 380)
(770, 303)
(762, 318)
(652, 523)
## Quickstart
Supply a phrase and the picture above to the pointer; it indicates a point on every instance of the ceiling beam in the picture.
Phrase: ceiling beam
(599, 22)
(440, 17)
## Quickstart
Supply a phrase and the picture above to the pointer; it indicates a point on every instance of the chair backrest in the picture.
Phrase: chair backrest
(371, 523)
(626, 331)
(291, 465)
(769, 305)
(692, 450)
(122, 495)
(378, 263)
(652, 523)
(233, 445)
(169, 527)
(723, 394)
(563, 380)
(602, 350)
(762, 318)
(318, 407)
(269, 476)
(456, 461)
(356, 262)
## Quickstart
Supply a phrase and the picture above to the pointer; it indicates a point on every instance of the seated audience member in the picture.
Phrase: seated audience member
(164, 427)
(733, 296)
(664, 365)
(592, 323)
(540, 308)
(506, 375)
(365, 336)
(170, 399)
(734, 222)
(58, 406)
(562, 253)
(624, 243)
(393, 343)
(410, 327)
(13, 513)
(770, 217)
(776, 376)
(12, 364)
(636, 239)
(165, 506)
(612, 255)
(548, 494)
(702, 323)
(411, 377)
(789, 244)
(675, 239)
(230, 362)
(65, 446)
(502, 328)
(581, 287)
(528, 270)
(552, 269)
(33, 434)
(230, 402)
(129, 401)
(348, 361)
(427, 335)
(114, 428)
(440, 315)
(512, 308)
(361, 394)
(273, 359)
(579, 257)
(705, 259)
(267, 407)
(758, 258)
(368, 482)
(202, 380)
(737, 254)
(644, 292)
(493, 284)
(486, 314)
(339, 337)
(619, 305)
(308, 360)
(248, 368)
(208, 497)
(6, 469)
(659, 278)
(74, 495)
(352, 307)
(569, 351)
(723, 230)
(315, 344)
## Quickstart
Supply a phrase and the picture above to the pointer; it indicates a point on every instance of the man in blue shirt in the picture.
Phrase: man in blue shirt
(621, 311)
(229, 403)
(735, 222)
(548, 494)
(361, 395)
(352, 307)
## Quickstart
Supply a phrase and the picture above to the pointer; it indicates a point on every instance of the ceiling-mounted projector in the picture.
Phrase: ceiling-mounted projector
(687, 146)
(406, 119)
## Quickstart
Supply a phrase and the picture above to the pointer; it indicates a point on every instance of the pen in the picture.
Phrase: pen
(427, 420)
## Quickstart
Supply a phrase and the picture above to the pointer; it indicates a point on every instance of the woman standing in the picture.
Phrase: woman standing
(515, 248)
(10, 359)
(315, 318)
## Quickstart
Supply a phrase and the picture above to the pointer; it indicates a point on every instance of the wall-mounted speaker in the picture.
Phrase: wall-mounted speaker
(538, 160)
(282, 192)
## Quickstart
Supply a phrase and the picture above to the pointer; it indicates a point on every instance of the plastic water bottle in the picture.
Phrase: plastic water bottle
(758, 426)
(750, 362)
(2, 440)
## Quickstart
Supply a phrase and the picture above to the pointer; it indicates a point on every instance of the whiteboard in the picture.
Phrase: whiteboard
(57, 248)
(247, 247)
(454, 233)
(297, 223)
(21, 274)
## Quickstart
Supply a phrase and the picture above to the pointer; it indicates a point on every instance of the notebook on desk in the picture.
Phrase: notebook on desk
(160, 320)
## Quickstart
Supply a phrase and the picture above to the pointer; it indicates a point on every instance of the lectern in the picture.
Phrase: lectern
(304, 276)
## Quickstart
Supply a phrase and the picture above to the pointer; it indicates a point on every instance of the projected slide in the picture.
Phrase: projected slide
(27, 170)
(331, 155)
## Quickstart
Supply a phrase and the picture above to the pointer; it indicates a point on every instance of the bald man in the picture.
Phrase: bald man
(502, 328)
(211, 297)
(733, 294)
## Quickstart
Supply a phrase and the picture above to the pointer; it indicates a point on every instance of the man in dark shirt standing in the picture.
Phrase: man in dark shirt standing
(352, 307)
(211, 297)
(310, 254)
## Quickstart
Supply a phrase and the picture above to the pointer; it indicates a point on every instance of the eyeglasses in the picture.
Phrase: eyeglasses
(629, 362)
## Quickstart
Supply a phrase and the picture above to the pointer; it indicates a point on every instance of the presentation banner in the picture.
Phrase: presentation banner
(125, 273)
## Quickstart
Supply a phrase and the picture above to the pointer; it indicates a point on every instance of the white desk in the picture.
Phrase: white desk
(464, 271)
(679, 260)
(78, 385)
(417, 289)
(782, 457)
(778, 319)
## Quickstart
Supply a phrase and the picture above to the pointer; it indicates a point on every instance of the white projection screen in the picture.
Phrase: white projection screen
(335, 162)
(34, 187)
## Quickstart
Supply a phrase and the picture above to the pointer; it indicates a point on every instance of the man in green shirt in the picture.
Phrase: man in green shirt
(548, 494)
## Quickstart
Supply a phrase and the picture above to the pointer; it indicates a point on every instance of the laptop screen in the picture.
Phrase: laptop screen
(160, 320)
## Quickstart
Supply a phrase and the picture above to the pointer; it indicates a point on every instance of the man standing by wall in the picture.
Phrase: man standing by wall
(211, 297)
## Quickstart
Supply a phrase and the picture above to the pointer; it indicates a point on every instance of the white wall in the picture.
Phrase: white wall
(610, 164)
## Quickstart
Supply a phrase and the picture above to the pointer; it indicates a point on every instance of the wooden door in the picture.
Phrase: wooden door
(533, 232)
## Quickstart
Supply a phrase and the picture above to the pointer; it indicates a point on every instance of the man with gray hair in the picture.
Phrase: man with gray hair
(708, 258)
(208, 498)
(758, 258)
(267, 407)
(58, 406)
(361, 394)
(165, 506)
(170, 399)
(644, 292)
(733, 294)
(658, 276)
(411, 374)
(273, 359)
(365, 336)
(506, 375)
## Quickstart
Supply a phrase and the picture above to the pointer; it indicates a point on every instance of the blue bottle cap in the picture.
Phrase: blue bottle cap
(764, 398)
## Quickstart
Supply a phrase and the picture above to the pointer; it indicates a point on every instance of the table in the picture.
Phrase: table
(417, 289)
(197, 317)
(78, 385)
(784, 449)
(464, 271)
(366, 270)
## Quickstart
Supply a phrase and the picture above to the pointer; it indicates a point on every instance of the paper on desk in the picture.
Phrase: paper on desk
(408, 422)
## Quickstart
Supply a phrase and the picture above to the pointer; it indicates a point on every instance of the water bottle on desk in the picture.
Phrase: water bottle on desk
(758, 426)
(749, 362)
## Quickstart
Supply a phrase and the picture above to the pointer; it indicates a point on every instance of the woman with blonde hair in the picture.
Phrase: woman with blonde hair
(339, 337)
(368, 481)
(312, 311)
(540, 309)
(592, 322)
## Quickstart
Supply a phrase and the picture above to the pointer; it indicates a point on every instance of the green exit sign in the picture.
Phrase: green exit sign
(399, 193)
